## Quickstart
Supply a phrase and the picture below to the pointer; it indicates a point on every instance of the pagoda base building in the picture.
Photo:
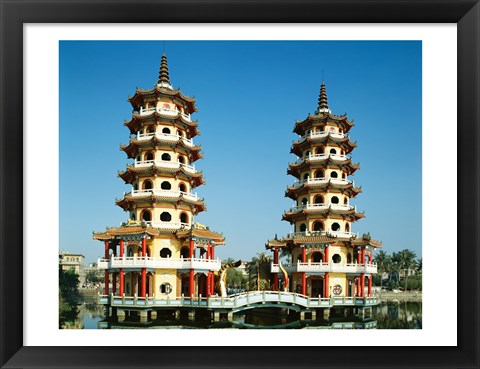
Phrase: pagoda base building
(326, 260)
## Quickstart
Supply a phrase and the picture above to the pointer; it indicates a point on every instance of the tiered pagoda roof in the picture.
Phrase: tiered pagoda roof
(132, 148)
(344, 163)
(305, 142)
(129, 175)
(303, 187)
(191, 126)
(128, 200)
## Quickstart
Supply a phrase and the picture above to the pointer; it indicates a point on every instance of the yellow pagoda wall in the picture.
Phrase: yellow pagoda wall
(340, 279)
(165, 276)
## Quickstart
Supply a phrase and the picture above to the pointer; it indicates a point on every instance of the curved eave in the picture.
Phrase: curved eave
(275, 243)
(367, 242)
(114, 232)
(294, 192)
(295, 169)
(132, 148)
(214, 237)
(302, 126)
(299, 146)
(124, 203)
(196, 179)
(138, 120)
(349, 215)
(140, 95)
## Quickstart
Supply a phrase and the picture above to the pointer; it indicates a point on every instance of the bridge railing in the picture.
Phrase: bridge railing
(236, 301)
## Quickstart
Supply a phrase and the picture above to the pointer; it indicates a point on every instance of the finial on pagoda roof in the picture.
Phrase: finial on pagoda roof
(163, 77)
(322, 100)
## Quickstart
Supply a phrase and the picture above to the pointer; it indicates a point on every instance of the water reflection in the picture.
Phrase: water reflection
(406, 315)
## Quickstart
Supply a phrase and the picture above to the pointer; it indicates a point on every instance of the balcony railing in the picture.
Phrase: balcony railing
(163, 136)
(318, 157)
(158, 263)
(169, 112)
(322, 134)
(322, 180)
(169, 225)
(165, 193)
(323, 233)
(164, 164)
(326, 267)
(320, 207)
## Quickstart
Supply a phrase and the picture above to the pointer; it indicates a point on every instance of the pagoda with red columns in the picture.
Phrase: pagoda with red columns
(160, 252)
(326, 258)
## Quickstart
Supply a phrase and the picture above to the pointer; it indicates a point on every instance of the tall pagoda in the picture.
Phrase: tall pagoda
(160, 251)
(326, 257)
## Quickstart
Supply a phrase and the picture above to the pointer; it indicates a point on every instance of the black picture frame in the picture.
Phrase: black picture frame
(465, 13)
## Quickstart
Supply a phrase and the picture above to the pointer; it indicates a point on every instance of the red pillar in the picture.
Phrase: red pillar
(362, 285)
(357, 287)
(327, 256)
(107, 279)
(275, 276)
(326, 288)
(371, 257)
(370, 285)
(121, 275)
(144, 270)
(212, 252)
(114, 283)
(304, 275)
(192, 275)
(363, 255)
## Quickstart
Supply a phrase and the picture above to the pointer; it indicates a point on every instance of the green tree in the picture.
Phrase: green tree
(404, 260)
(384, 262)
(93, 277)
(235, 278)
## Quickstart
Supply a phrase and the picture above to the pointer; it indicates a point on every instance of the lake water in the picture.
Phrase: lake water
(404, 315)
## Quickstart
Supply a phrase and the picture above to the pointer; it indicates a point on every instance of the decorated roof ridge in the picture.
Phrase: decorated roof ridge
(133, 141)
(196, 179)
(198, 204)
(276, 243)
(138, 117)
(202, 231)
(322, 100)
(130, 228)
(322, 161)
(163, 76)
(161, 90)
(366, 241)
(132, 168)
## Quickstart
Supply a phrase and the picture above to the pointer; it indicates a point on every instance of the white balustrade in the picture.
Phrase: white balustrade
(323, 134)
(323, 233)
(169, 225)
(314, 207)
(326, 267)
(158, 263)
(165, 193)
(322, 180)
(164, 137)
(163, 111)
(323, 156)
(164, 164)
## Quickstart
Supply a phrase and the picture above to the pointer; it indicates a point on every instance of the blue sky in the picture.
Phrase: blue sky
(249, 94)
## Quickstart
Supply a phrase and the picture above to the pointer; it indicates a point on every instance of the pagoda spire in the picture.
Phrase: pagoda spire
(322, 100)
(163, 77)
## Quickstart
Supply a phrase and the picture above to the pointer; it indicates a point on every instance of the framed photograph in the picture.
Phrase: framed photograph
(416, 61)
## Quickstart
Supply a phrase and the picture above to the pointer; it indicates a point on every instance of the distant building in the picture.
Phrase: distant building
(70, 261)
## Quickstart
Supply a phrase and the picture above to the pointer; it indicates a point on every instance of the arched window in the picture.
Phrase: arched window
(302, 227)
(183, 218)
(135, 186)
(147, 185)
(336, 258)
(139, 158)
(181, 159)
(304, 201)
(305, 176)
(335, 226)
(149, 156)
(146, 216)
(180, 133)
(132, 216)
(335, 200)
(318, 226)
(320, 150)
(319, 174)
(185, 252)
(349, 258)
(165, 217)
(317, 257)
(150, 129)
(333, 151)
(182, 187)
(166, 157)
(333, 175)
(344, 176)
(165, 185)
(307, 153)
(318, 199)
(345, 201)
(347, 227)
(166, 130)
(165, 253)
